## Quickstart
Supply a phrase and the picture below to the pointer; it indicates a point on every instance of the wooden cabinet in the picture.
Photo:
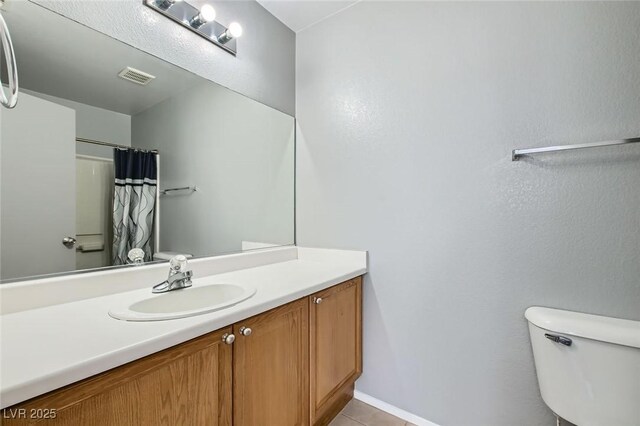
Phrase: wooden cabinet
(335, 320)
(188, 384)
(271, 368)
(294, 365)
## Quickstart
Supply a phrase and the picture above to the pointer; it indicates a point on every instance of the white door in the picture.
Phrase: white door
(37, 188)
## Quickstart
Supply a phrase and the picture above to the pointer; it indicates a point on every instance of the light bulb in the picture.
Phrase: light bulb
(208, 13)
(235, 30)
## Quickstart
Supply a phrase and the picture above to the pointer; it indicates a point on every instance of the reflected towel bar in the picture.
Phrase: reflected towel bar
(517, 153)
(184, 188)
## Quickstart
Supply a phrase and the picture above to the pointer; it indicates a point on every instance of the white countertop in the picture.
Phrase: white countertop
(50, 347)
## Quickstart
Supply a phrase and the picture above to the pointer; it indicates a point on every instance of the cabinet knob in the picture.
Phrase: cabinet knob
(228, 338)
(245, 331)
(317, 300)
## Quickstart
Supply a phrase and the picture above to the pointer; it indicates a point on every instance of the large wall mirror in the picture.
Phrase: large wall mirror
(94, 164)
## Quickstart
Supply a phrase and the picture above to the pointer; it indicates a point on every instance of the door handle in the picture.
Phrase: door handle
(69, 242)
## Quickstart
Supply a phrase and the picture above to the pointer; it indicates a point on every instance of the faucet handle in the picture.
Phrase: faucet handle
(178, 263)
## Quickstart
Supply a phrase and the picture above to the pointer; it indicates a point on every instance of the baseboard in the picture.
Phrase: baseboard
(381, 405)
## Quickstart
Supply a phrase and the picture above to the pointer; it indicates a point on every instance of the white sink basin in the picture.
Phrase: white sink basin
(196, 300)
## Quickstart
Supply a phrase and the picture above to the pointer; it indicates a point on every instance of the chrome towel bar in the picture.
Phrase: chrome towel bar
(517, 153)
(184, 188)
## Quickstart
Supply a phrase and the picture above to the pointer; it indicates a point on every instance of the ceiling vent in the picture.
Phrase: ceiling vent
(136, 76)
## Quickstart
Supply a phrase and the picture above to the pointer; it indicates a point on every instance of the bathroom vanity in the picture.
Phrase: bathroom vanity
(295, 362)
(264, 337)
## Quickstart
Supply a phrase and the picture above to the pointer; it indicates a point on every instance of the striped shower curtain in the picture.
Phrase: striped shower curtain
(134, 203)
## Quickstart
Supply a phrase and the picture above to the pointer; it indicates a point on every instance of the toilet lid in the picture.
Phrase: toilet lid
(604, 329)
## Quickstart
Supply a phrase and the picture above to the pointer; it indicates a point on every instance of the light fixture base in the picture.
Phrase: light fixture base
(182, 13)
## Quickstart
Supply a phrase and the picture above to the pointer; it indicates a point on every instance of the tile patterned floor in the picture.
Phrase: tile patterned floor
(357, 413)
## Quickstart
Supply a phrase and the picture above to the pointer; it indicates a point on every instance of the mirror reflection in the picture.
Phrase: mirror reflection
(114, 157)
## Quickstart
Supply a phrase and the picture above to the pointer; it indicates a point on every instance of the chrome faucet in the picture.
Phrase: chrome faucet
(178, 278)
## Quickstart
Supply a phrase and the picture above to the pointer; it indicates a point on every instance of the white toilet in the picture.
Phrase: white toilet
(588, 366)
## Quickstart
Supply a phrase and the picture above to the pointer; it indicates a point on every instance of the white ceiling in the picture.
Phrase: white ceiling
(300, 14)
(59, 57)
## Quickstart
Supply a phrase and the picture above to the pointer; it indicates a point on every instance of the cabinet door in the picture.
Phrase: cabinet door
(189, 384)
(335, 320)
(271, 368)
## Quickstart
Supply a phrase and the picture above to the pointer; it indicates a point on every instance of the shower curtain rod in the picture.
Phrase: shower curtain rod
(114, 145)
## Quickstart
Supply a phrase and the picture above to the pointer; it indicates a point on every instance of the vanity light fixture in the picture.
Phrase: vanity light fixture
(201, 22)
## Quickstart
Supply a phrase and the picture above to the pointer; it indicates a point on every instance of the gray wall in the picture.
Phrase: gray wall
(264, 68)
(95, 123)
(408, 112)
(240, 155)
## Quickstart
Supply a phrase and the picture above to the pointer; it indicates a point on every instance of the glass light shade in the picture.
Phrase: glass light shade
(208, 13)
(235, 30)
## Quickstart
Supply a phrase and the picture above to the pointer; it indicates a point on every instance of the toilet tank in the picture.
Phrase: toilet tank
(588, 366)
